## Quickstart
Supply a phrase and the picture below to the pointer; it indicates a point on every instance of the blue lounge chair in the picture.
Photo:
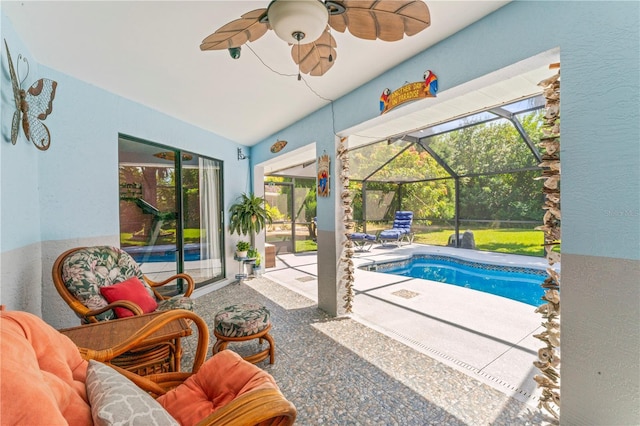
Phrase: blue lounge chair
(362, 241)
(401, 230)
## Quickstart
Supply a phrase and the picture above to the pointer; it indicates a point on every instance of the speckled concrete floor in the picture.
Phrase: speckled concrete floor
(337, 371)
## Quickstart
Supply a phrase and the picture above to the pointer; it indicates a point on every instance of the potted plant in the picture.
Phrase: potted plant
(242, 249)
(248, 215)
(254, 254)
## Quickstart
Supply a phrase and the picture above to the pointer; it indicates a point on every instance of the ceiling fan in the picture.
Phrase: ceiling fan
(307, 25)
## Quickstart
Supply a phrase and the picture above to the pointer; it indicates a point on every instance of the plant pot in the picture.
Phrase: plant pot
(240, 254)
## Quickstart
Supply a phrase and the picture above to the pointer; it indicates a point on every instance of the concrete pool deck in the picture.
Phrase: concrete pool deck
(486, 337)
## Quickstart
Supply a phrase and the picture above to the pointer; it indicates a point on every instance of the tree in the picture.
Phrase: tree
(476, 153)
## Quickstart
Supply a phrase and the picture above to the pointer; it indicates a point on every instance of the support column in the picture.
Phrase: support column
(330, 293)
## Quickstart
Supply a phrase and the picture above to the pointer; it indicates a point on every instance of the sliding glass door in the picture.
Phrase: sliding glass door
(170, 211)
(202, 209)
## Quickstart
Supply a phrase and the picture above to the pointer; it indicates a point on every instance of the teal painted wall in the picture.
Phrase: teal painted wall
(19, 185)
(599, 46)
(68, 195)
(71, 190)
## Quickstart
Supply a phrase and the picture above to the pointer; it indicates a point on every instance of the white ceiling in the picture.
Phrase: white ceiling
(148, 51)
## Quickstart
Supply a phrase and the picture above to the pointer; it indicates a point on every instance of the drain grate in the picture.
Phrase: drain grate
(306, 279)
(406, 294)
(428, 350)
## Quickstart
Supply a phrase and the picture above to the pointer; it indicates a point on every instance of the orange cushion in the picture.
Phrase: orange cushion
(221, 379)
(42, 374)
(132, 290)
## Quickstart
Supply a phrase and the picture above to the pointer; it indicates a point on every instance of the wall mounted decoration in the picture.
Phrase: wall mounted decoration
(427, 88)
(241, 155)
(323, 175)
(278, 145)
(32, 105)
(346, 258)
(549, 356)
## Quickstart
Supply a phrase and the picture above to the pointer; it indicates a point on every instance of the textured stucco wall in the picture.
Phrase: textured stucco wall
(60, 196)
(69, 193)
(599, 45)
(600, 340)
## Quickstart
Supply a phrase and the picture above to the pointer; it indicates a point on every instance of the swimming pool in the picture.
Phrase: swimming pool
(163, 253)
(513, 282)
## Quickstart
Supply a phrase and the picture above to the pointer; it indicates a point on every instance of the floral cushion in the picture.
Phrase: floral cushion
(242, 320)
(88, 269)
(176, 302)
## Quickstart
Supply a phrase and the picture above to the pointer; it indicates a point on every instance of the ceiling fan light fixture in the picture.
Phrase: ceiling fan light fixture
(235, 52)
(297, 20)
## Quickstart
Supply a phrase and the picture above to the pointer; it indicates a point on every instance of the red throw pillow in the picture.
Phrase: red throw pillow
(132, 290)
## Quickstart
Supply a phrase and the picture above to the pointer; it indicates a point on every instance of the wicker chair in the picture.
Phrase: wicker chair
(264, 406)
(224, 390)
(79, 273)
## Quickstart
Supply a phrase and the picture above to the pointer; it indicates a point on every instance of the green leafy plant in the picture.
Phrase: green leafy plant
(248, 215)
(274, 212)
(254, 254)
(242, 246)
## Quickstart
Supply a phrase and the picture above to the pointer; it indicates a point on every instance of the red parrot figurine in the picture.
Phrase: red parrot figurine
(430, 83)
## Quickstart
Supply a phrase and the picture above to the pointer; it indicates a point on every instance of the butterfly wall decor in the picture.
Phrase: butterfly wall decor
(32, 106)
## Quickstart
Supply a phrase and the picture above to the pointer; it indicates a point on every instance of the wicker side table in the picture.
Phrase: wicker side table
(159, 353)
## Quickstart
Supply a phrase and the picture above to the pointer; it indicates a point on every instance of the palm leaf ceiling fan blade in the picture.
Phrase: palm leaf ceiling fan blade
(313, 58)
(236, 33)
(387, 21)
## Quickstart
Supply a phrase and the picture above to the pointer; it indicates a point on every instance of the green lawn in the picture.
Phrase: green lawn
(514, 241)
(306, 245)
(167, 236)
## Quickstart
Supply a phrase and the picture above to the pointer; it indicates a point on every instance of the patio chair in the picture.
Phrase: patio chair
(401, 230)
(362, 241)
(103, 283)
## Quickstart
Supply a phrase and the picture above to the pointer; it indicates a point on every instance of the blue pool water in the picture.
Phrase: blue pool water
(517, 283)
(162, 253)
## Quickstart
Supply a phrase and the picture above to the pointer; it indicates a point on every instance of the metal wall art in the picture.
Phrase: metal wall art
(427, 88)
(277, 146)
(32, 105)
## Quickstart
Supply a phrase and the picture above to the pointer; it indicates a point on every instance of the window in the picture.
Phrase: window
(475, 172)
(170, 211)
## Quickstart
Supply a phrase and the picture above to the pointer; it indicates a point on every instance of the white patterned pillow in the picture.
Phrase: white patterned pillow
(116, 400)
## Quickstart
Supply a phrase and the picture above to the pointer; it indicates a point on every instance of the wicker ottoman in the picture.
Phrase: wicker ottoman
(242, 322)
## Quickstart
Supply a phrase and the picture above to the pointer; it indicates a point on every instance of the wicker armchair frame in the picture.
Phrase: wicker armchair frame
(266, 405)
(89, 315)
